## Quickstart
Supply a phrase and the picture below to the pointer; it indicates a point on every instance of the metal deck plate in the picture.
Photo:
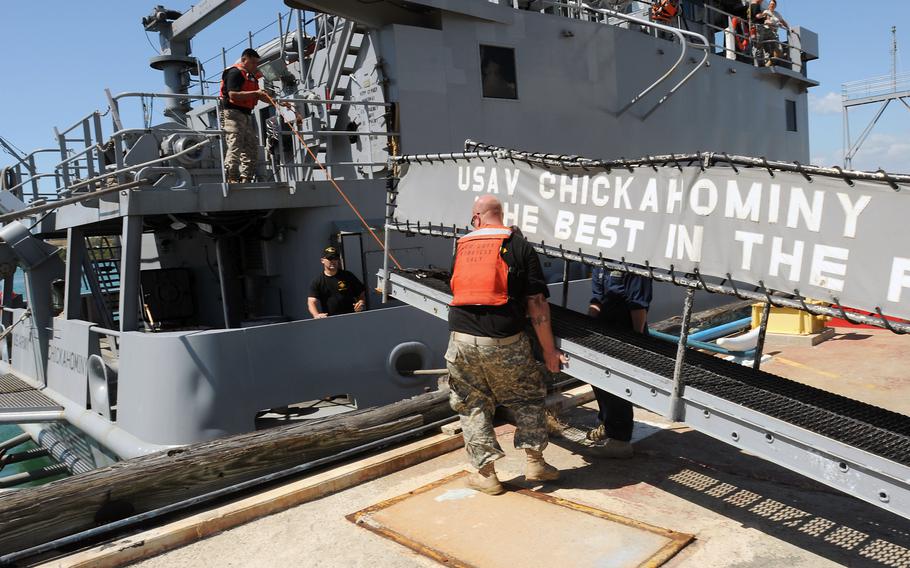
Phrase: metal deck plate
(17, 396)
(458, 526)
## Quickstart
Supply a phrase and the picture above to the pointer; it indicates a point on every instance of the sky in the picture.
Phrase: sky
(67, 52)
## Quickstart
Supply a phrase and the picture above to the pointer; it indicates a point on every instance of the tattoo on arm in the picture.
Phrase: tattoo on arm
(538, 320)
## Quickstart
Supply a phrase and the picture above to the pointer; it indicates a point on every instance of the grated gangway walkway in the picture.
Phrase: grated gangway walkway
(20, 402)
(855, 447)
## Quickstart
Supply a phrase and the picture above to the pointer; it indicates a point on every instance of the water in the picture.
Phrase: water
(8, 431)
(19, 280)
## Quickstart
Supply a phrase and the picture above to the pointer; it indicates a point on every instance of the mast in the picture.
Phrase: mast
(175, 30)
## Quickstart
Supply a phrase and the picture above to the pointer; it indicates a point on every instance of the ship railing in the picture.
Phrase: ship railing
(723, 40)
(680, 35)
(757, 50)
(83, 158)
(876, 87)
(303, 167)
(26, 171)
(291, 170)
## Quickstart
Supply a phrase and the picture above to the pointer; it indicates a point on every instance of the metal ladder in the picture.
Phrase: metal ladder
(102, 273)
(342, 41)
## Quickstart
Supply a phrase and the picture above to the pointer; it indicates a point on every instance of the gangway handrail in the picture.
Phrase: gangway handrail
(704, 159)
(680, 35)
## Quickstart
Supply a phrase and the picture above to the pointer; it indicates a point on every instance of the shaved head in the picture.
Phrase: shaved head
(489, 209)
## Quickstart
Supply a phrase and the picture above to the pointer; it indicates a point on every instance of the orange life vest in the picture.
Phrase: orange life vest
(481, 276)
(664, 11)
(250, 83)
(738, 26)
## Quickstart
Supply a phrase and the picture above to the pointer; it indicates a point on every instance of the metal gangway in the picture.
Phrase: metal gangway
(852, 446)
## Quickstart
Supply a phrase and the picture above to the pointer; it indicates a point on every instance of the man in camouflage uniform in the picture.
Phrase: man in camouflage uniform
(497, 283)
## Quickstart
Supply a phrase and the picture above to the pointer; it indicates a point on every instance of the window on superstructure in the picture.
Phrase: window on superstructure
(791, 116)
(497, 70)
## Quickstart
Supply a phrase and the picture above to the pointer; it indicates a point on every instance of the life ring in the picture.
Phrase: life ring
(664, 11)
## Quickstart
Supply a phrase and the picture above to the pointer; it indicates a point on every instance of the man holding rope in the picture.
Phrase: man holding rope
(240, 93)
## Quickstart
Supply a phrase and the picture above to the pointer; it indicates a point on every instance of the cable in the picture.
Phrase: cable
(335, 185)
(155, 49)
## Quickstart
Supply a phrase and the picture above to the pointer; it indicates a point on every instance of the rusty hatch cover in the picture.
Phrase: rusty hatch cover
(458, 526)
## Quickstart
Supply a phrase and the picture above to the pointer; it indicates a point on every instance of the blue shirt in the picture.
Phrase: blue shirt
(611, 286)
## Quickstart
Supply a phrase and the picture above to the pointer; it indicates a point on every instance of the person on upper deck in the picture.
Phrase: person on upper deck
(620, 300)
(773, 21)
(755, 14)
(335, 291)
(240, 92)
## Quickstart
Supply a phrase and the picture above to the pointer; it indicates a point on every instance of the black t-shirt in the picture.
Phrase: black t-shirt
(233, 81)
(336, 294)
(752, 12)
(525, 279)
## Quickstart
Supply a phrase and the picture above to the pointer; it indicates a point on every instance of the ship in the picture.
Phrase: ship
(165, 306)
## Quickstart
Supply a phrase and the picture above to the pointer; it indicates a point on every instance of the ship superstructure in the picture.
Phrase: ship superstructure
(196, 318)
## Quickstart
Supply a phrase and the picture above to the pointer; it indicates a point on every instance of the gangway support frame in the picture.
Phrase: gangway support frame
(859, 473)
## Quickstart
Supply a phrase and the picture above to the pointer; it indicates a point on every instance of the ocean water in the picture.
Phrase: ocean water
(8, 431)
(19, 283)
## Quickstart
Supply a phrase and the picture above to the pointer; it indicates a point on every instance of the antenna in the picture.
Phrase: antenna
(879, 91)
(894, 58)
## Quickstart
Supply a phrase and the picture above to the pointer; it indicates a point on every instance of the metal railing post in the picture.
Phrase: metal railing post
(565, 282)
(87, 136)
(99, 140)
(32, 172)
(281, 35)
(762, 330)
(61, 140)
(300, 46)
(221, 151)
(674, 412)
(115, 110)
(386, 253)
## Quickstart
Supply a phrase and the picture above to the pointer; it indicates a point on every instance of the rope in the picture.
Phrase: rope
(9, 330)
(335, 185)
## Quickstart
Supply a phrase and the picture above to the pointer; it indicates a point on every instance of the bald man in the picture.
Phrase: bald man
(497, 283)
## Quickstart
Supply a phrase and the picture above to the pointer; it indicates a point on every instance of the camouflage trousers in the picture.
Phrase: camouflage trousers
(242, 145)
(480, 377)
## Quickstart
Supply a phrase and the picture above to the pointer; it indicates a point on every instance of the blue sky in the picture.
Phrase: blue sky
(69, 51)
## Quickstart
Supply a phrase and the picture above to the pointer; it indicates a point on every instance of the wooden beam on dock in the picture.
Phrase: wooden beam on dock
(35, 515)
(148, 543)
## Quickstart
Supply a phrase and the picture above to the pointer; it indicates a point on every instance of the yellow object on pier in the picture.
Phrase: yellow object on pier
(790, 321)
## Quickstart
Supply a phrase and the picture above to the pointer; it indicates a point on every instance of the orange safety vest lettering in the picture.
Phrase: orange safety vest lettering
(481, 276)
(664, 11)
(250, 83)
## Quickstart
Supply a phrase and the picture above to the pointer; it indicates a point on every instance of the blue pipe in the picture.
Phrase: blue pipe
(721, 330)
(701, 344)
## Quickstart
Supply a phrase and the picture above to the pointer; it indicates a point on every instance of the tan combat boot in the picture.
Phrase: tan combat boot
(539, 470)
(485, 480)
(614, 449)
